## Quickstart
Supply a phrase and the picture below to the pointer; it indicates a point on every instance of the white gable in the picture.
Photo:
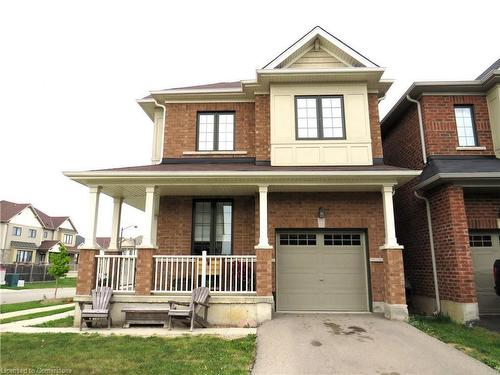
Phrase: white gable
(66, 225)
(55, 248)
(317, 58)
(27, 218)
(328, 43)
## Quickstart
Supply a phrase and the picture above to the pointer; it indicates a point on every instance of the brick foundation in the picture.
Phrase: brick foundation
(144, 271)
(264, 272)
(394, 281)
(87, 269)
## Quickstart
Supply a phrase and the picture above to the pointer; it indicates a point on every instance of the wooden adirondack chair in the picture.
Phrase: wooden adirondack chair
(189, 310)
(100, 306)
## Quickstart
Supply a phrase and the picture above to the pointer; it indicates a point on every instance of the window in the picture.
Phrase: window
(68, 238)
(319, 117)
(342, 239)
(24, 256)
(480, 241)
(215, 131)
(301, 239)
(466, 131)
(212, 227)
(32, 233)
(16, 231)
(45, 234)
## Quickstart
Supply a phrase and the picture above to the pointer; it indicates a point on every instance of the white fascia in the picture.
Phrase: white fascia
(318, 31)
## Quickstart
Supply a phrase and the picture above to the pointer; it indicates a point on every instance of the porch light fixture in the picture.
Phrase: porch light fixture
(321, 213)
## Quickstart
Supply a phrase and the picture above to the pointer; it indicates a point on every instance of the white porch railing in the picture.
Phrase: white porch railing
(220, 273)
(117, 272)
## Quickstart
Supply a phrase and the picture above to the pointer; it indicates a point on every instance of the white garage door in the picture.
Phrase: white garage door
(321, 271)
(485, 248)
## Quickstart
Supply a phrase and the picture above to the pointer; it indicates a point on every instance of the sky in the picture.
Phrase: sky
(70, 72)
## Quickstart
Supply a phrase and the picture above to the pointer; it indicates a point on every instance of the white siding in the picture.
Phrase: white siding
(356, 149)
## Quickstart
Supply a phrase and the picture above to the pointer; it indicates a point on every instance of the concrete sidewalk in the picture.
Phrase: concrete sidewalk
(354, 344)
(34, 311)
(25, 295)
(23, 326)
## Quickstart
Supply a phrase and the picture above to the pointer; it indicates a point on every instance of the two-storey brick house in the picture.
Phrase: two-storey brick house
(279, 180)
(451, 130)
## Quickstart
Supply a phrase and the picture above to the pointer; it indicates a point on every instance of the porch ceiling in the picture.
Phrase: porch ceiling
(131, 186)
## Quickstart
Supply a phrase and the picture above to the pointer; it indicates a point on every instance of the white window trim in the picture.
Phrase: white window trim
(471, 148)
(214, 153)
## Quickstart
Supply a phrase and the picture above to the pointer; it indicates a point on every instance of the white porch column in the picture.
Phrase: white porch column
(148, 240)
(90, 238)
(390, 229)
(263, 240)
(115, 224)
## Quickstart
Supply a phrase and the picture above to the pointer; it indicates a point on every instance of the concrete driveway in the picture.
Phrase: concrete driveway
(14, 296)
(354, 344)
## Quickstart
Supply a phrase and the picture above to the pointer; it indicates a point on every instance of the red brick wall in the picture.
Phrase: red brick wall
(262, 128)
(412, 232)
(180, 130)
(343, 210)
(375, 126)
(482, 210)
(451, 241)
(440, 126)
(401, 144)
(175, 225)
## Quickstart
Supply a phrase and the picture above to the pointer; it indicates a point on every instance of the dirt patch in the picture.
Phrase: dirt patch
(316, 343)
(356, 329)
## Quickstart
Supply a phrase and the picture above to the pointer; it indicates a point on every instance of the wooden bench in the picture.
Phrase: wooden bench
(146, 315)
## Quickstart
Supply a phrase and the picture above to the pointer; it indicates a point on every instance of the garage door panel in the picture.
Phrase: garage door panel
(485, 249)
(347, 301)
(321, 276)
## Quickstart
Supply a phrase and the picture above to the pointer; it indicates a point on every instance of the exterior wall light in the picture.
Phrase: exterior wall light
(321, 213)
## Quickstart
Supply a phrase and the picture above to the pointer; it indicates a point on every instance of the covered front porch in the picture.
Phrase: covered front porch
(219, 230)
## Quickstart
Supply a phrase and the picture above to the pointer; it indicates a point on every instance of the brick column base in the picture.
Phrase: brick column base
(87, 270)
(394, 284)
(264, 272)
(144, 271)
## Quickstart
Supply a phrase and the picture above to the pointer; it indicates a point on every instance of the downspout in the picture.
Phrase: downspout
(433, 254)
(162, 126)
(421, 127)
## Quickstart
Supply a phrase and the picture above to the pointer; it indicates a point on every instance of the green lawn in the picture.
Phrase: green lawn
(63, 322)
(63, 283)
(36, 315)
(11, 307)
(94, 354)
(478, 342)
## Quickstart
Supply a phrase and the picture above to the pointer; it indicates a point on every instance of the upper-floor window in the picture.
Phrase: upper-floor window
(215, 131)
(68, 238)
(466, 129)
(16, 231)
(319, 117)
(32, 233)
(45, 234)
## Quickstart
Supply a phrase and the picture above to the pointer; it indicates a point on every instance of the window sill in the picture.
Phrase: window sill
(214, 153)
(472, 148)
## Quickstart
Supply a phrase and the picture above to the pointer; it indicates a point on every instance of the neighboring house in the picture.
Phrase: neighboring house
(279, 179)
(28, 235)
(128, 245)
(460, 122)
